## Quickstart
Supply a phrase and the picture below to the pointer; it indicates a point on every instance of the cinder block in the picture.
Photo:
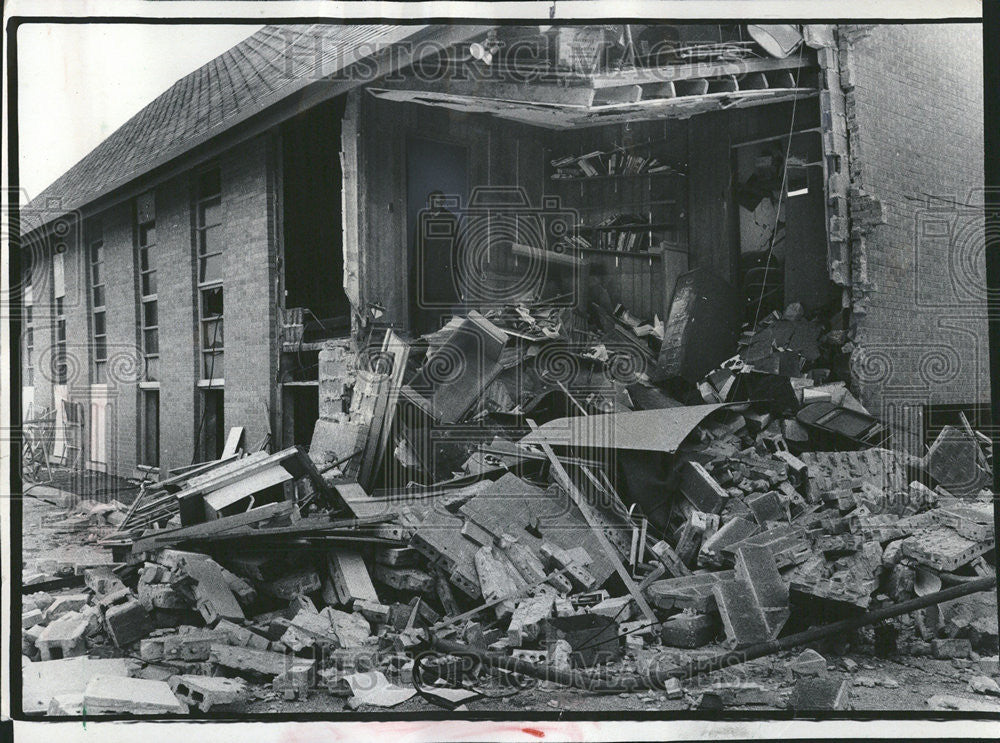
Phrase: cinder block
(261, 662)
(65, 604)
(63, 638)
(205, 692)
(289, 586)
(741, 615)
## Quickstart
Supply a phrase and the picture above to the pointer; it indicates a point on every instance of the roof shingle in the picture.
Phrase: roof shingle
(260, 70)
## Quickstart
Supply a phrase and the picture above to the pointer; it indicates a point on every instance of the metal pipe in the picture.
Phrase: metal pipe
(656, 679)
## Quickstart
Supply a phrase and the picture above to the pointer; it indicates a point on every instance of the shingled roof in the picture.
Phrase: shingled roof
(256, 73)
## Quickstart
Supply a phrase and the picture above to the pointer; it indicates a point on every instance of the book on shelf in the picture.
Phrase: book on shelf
(617, 162)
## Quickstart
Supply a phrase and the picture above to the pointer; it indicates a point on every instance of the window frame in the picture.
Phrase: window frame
(99, 354)
(147, 271)
(209, 353)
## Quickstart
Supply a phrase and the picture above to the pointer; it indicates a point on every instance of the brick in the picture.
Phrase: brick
(118, 694)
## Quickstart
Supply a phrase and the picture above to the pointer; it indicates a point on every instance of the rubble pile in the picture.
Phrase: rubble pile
(562, 489)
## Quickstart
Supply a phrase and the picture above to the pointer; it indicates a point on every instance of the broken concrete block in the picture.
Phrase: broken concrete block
(102, 580)
(689, 630)
(47, 679)
(349, 578)
(673, 688)
(161, 596)
(619, 608)
(528, 617)
(309, 629)
(767, 507)
(241, 636)
(700, 488)
(352, 630)
(126, 619)
(65, 604)
(30, 617)
(558, 558)
(288, 586)
(117, 694)
(984, 685)
(742, 615)
(809, 663)
(756, 566)
(244, 592)
(261, 662)
(373, 611)
(296, 682)
(812, 693)
(63, 638)
(205, 692)
(404, 579)
(213, 597)
(951, 648)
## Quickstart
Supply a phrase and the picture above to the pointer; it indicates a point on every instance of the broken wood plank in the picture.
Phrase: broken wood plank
(567, 483)
(165, 538)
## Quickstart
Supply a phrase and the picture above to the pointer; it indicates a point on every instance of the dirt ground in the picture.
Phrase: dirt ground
(899, 682)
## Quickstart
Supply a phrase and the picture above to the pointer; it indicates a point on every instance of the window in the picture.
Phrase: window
(99, 328)
(148, 311)
(208, 231)
(60, 367)
(149, 421)
(29, 334)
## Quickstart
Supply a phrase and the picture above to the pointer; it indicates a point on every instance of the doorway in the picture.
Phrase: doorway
(432, 166)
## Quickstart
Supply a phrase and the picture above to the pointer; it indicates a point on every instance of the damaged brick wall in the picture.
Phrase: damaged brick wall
(914, 108)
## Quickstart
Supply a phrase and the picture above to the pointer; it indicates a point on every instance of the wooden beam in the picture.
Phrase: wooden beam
(578, 498)
(696, 70)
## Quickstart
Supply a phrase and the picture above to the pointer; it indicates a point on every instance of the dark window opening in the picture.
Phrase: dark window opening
(313, 237)
(213, 424)
(301, 411)
(149, 452)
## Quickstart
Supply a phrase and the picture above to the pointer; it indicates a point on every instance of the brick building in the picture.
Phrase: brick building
(198, 268)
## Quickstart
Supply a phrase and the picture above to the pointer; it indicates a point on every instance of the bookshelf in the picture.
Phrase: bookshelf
(630, 219)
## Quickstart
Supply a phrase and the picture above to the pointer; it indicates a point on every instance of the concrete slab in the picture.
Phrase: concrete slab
(47, 679)
(819, 693)
(117, 694)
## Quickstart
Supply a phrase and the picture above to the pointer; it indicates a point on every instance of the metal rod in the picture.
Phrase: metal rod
(656, 679)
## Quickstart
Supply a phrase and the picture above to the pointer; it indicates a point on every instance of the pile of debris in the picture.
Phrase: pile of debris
(548, 491)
